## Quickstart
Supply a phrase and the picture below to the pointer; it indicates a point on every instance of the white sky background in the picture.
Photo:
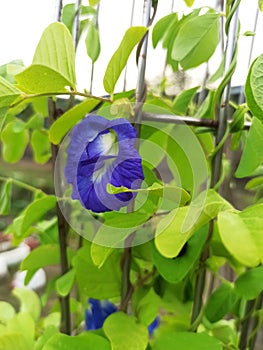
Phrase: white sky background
(22, 23)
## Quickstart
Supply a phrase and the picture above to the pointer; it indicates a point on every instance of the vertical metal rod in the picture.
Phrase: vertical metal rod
(241, 96)
(58, 10)
(126, 68)
(223, 112)
(92, 65)
(75, 27)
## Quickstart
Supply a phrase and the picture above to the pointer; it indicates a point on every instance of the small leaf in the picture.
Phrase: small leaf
(220, 303)
(65, 283)
(118, 325)
(252, 155)
(40, 146)
(5, 197)
(255, 183)
(63, 124)
(260, 5)
(24, 324)
(182, 101)
(189, 3)
(92, 42)
(29, 302)
(99, 254)
(241, 234)
(41, 256)
(161, 27)
(238, 119)
(250, 284)
(249, 33)
(119, 59)
(14, 142)
(8, 93)
(177, 194)
(254, 88)
(36, 210)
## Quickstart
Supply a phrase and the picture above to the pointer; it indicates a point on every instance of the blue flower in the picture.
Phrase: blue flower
(100, 310)
(102, 152)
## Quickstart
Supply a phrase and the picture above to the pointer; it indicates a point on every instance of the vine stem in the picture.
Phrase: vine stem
(65, 325)
(25, 97)
(21, 184)
(221, 135)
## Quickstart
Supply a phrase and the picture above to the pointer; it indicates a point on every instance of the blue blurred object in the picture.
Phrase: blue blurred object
(155, 323)
(98, 313)
(100, 310)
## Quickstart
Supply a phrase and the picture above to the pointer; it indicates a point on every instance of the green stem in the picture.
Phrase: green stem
(21, 184)
(256, 324)
(245, 325)
(200, 283)
(25, 97)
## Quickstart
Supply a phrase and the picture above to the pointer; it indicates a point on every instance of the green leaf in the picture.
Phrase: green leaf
(40, 146)
(260, 5)
(119, 59)
(161, 27)
(174, 193)
(145, 303)
(192, 50)
(56, 51)
(174, 270)
(13, 340)
(92, 280)
(99, 254)
(50, 82)
(5, 197)
(180, 224)
(44, 337)
(238, 119)
(8, 93)
(29, 302)
(241, 233)
(189, 3)
(63, 124)
(6, 312)
(220, 302)
(186, 341)
(92, 42)
(254, 88)
(255, 183)
(250, 284)
(85, 341)
(14, 142)
(65, 283)
(252, 155)
(41, 256)
(125, 333)
(182, 101)
(24, 324)
(36, 210)
(54, 61)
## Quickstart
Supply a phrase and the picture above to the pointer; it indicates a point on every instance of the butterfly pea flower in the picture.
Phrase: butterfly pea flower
(100, 310)
(103, 152)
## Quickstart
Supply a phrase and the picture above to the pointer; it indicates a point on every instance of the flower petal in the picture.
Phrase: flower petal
(102, 152)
